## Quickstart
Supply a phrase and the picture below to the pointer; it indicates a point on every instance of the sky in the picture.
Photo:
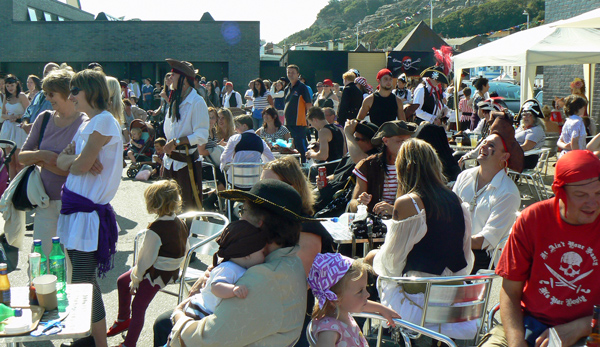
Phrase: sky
(278, 18)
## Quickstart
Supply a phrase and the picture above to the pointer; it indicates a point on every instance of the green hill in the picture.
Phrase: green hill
(451, 19)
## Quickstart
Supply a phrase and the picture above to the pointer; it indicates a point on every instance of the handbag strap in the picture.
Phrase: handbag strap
(47, 115)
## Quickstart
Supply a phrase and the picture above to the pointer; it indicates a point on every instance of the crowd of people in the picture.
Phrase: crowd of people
(384, 149)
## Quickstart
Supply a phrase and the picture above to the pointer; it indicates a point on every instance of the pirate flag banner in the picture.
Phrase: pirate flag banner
(410, 63)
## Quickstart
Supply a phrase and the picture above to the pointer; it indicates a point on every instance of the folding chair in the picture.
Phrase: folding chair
(241, 176)
(535, 175)
(314, 168)
(202, 233)
(399, 323)
(452, 299)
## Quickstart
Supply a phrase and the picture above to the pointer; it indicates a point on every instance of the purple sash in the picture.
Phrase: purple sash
(108, 232)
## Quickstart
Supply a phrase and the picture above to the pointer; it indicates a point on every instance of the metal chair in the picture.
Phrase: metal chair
(214, 182)
(399, 323)
(241, 176)
(314, 168)
(452, 299)
(535, 175)
(499, 247)
(202, 233)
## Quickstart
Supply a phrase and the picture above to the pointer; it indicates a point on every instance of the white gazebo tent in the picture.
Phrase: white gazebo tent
(551, 44)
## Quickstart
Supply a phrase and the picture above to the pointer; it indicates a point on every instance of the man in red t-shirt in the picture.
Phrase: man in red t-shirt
(550, 264)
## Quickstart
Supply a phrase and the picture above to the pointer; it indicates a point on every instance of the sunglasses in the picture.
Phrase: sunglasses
(75, 91)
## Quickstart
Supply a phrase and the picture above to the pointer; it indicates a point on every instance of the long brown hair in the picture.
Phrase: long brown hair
(229, 130)
(288, 169)
(420, 172)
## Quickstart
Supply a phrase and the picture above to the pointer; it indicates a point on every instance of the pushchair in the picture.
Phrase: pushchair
(144, 155)
(4, 160)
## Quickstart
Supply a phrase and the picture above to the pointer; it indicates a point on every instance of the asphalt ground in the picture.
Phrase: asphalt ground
(132, 217)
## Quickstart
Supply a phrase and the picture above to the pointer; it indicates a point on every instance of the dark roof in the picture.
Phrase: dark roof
(361, 48)
(420, 39)
(207, 17)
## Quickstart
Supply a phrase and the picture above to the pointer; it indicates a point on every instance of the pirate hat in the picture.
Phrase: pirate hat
(502, 127)
(182, 67)
(273, 195)
(393, 128)
(366, 128)
(435, 73)
(403, 78)
(533, 106)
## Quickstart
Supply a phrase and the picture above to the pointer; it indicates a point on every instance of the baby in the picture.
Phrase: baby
(241, 246)
(136, 144)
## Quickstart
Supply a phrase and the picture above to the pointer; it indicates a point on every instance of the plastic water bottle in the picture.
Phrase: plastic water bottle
(57, 266)
(7, 312)
(37, 248)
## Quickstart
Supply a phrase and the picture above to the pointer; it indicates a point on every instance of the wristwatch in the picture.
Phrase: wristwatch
(177, 142)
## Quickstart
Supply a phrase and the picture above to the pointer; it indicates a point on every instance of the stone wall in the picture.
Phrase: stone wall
(558, 78)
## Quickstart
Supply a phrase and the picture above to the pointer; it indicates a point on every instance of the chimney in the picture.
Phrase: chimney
(330, 45)
(340, 46)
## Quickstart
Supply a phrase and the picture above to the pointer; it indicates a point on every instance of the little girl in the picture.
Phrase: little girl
(339, 284)
(159, 259)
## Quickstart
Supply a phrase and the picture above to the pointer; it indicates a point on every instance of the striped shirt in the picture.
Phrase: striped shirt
(465, 107)
(390, 185)
(261, 102)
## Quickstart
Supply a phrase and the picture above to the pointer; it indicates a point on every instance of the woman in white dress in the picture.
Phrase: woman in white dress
(87, 225)
(14, 106)
(429, 236)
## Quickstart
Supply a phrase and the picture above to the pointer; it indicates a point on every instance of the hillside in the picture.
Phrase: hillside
(452, 18)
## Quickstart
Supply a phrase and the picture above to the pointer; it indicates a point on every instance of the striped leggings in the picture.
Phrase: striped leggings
(85, 266)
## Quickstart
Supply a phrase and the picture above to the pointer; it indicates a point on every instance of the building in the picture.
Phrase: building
(35, 32)
(558, 78)
(463, 44)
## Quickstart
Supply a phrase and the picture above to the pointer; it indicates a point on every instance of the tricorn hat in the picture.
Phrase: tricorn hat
(393, 128)
(435, 73)
(273, 195)
(502, 127)
(366, 128)
(182, 67)
(533, 106)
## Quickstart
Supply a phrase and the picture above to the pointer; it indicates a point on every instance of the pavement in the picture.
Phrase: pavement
(132, 217)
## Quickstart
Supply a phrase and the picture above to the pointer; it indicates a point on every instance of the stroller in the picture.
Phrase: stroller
(144, 156)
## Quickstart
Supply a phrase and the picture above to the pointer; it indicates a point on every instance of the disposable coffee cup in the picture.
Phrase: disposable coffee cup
(45, 288)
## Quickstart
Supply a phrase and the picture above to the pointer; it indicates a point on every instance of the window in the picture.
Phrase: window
(61, 19)
(32, 14)
(47, 17)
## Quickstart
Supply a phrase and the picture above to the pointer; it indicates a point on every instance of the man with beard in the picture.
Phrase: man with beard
(382, 106)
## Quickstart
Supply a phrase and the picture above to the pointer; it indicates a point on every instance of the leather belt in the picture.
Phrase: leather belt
(182, 157)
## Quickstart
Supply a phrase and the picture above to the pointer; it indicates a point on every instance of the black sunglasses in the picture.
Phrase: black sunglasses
(75, 91)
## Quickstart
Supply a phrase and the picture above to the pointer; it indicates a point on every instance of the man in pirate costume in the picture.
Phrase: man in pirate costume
(429, 95)
(186, 128)
(550, 263)
(492, 196)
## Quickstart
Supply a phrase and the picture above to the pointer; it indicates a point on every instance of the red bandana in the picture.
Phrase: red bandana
(438, 93)
(574, 166)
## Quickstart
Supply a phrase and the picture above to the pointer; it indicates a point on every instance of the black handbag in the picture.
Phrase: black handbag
(20, 199)
(370, 228)
(8, 254)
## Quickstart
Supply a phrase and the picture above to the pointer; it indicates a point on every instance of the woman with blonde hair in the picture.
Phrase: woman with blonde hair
(225, 126)
(430, 235)
(288, 170)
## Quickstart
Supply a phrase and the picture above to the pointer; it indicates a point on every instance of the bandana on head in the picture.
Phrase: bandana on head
(383, 72)
(574, 166)
(326, 271)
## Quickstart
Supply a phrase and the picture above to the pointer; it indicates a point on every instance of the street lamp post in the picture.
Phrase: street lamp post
(357, 24)
(431, 14)
(525, 13)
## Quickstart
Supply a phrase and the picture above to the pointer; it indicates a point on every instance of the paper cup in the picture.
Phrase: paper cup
(45, 284)
(45, 288)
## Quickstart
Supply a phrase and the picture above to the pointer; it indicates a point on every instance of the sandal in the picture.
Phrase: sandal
(118, 327)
